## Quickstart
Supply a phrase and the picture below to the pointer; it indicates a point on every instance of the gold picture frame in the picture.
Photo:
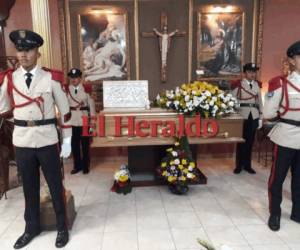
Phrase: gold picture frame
(220, 45)
(111, 59)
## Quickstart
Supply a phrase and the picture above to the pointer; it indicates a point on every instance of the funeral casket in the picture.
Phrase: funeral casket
(125, 127)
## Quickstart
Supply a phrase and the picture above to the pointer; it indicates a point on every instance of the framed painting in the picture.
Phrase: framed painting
(220, 45)
(104, 46)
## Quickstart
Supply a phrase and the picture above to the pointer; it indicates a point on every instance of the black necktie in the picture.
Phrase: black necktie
(250, 84)
(76, 91)
(28, 79)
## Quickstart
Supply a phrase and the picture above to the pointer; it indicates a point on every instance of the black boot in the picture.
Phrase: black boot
(75, 171)
(62, 238)
(85, 171)
(237, 170)
(25, 239)
(274, 222)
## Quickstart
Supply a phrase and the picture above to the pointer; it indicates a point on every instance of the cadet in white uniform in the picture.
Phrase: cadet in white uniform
(81, 104)
(248, 93)
(31, 93)
(282, 104)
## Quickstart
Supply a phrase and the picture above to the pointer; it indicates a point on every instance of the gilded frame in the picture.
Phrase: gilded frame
(200, 13)
(127, 48)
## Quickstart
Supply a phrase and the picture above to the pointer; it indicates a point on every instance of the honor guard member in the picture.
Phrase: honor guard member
(81, 104)
(248, 93)
(282, 105)
(31, 93)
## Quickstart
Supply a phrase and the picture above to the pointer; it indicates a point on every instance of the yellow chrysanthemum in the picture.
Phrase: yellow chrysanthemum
(192, 164)
(183, 161)
(180, 167)
(164, 173)
(172, 178)
(163, 164)
(182, 178)
(123, 178)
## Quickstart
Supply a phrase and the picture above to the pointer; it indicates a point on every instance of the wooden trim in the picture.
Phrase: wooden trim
(68, 33)
(137, 40)
(62, 35)
(260, 34)
(254, 30)
(190, 42)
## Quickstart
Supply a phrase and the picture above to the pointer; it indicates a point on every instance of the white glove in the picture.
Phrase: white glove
(66, 148)
(260, 124)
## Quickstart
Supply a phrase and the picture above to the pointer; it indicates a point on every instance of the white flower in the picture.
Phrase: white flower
(158, 97)
(211, 103)
(123, 172)
(177, 161)
(189, 175)
(189, 104)
(231, 103)
(174, 153)
(168, 103)
(207, 93)
(185, 110)
(196, 102)
(223, 105)
(176, 103)
(187, 98)
(117, 175)
(190, 168)
(214, 98)
(216, 108)
(194, 92)
(184, 93)
(206, 107)
(173, 167)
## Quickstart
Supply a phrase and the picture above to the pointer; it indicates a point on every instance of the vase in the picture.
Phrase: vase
(178, 189)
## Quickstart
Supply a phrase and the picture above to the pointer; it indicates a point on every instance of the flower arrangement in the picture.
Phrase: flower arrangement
(197, 98)
(177, 168)
(122, 183)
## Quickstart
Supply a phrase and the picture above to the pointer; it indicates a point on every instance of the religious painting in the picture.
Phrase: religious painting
(104, 46)
(220, 45)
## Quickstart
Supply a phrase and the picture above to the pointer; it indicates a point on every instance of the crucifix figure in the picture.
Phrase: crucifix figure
(164, 42)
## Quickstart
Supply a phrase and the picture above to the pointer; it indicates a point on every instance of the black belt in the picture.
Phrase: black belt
(250, 105)
(32, 123)
(81, 108)
(291, 122)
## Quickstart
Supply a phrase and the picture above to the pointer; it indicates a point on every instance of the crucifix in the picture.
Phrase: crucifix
(164, 42)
